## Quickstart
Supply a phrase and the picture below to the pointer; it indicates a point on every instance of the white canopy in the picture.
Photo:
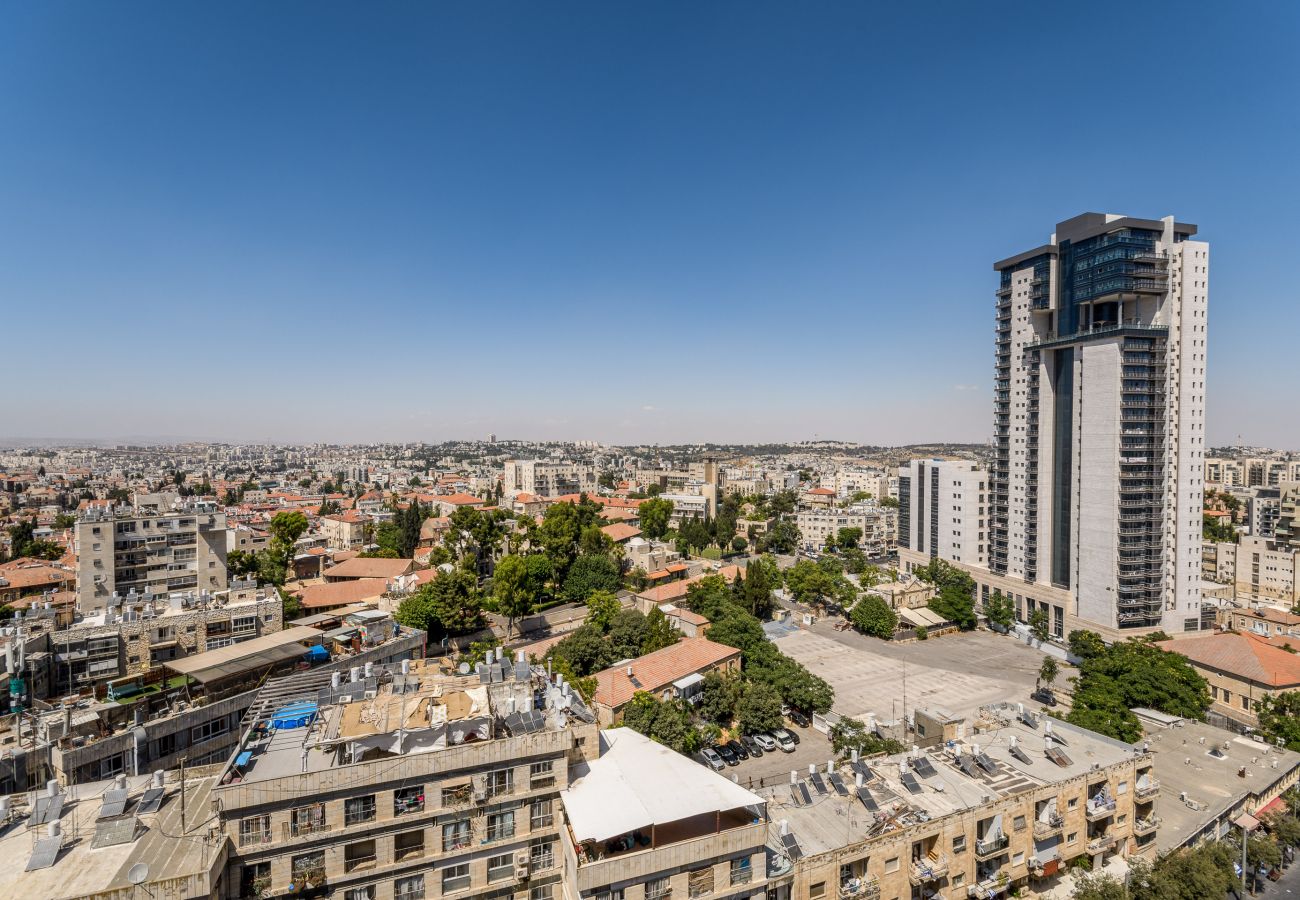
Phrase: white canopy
(637, 783)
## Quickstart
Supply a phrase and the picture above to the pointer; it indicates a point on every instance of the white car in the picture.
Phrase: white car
(783, 740)
(765, 741)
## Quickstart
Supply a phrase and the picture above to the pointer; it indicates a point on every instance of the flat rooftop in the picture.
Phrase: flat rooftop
(920, 786)
(307, 724)
(1213, 768)
(81, 868)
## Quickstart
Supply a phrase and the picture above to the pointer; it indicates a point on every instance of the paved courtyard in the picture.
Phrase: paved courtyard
(958, 673)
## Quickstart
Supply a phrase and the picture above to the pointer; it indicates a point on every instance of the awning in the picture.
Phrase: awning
(637, 783)
(1277, 804)
(689, 681)
(237, 659)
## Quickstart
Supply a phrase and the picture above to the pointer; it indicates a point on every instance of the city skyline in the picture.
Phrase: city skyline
(394, 220)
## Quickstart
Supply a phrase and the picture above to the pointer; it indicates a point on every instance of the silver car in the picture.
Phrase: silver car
(712, 759)
(765, 741)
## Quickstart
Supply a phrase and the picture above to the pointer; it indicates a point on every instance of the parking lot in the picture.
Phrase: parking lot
(774, 767)
(957, 672)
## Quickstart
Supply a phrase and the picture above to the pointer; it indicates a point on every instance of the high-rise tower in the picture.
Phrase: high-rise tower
(1099, 420)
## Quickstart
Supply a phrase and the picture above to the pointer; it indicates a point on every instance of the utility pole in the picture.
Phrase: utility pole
(183, 794)
(1243, 860)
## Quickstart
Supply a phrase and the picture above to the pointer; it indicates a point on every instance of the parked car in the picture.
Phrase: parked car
(784, 740)
(794, 735)
(728, 755)
(798, 718)
(738, 748)
(712, 759)
(752, 745)
(765, 740)
(1044, 696)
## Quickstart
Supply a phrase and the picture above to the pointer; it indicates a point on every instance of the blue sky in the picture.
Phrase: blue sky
(626, 222)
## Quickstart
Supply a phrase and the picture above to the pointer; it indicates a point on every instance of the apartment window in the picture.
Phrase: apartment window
(359, 809)
(742, 871)
(361, 893)
(455, 796)
(1019, 823)
(699, 883)
(255, 879)
(1072, 803)
(959, 843)
(408, 845)
(408, 800)
(958, 879)
(457, 835)
(541, 774)
(891, 864)
(1072, 837)
(455, 878)
(658, 889)
(307, 820)
(501, 825)
(541, 855)
(501, 782)
(541, 815)
(360, 855)
(544, 892)
(817, 891)
(208, 730)
(308, 868)
(409, 888)
(255, 830)
(500, 867)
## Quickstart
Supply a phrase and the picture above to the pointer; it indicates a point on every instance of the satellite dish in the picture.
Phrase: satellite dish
(464, 669)
(138, 873)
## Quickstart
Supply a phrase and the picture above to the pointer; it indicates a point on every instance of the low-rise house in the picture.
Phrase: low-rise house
(369, 567)
(1242, 669)
(672, 672)
(345, 530)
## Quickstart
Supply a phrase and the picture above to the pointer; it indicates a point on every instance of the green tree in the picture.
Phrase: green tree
(602, 607)
(956, 606)
(65, 520)
(872, 615)
(449, 605)
(585, 651)
(1132, 674)
(517, 588)
(589, 574)
(720, 696)
(388, 536)
(781, 537)
(739, 544)
(759, 708)
(655, 515)
(1098, 886)
(848, 735)
(1279, 718)
(659, 632)
(1218, 528)
(1085, 644)
(848, 537)
(1038, 624)
(809, 582)
(999, 610)
(287, 527)
(1048, 671)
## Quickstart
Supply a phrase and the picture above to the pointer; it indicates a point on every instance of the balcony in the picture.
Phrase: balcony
(1101, 844)
(860, 889)
(1146, 824)
(1050, 827)
(1148, 788)
(638, 864)
(927, 870)
(990, 847)
(988, 888)
(1099, 808)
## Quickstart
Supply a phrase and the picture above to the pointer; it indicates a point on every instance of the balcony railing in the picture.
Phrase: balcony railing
(1099, 809)
(991, 846)
(1147, 825)
(1098, 844)
(988, 888)
(860, 889)
(304, 829)
(1050, 827)
(928, 870)
(1149, 789)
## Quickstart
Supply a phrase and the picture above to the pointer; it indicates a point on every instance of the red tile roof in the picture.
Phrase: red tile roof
(657, 670)
(1245, 656)
(369, 567)
(620, 531)
(341, 593)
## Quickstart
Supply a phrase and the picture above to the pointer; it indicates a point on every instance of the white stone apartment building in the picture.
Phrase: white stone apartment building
(121, 549)
(345, 530)
(942, 510)
(547, 479)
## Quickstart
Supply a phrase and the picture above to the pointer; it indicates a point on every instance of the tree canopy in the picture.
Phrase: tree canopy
(872, 615)
(655, 515)
(1133, 674)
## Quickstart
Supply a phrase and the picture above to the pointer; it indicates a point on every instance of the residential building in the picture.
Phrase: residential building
(369, 567)
(1263, 510)
(1265, 621)
(404, 782)
(33, 577)
(121, 549)
(1095, 492)
(817, 524)
(1241, 668)
(1257, 568)
(942, 507)
(346, 530)
(687, 506)
(547, 479)
(670, 673)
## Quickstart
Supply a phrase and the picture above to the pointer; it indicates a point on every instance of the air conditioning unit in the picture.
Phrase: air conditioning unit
(370, 695)
(521, 865)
